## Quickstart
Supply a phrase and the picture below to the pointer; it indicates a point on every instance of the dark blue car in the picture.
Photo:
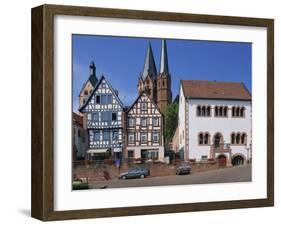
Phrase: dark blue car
(135, 173)
(184, 168)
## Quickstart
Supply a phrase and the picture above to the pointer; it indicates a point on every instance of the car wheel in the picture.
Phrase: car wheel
(123, 178)
(142, 176)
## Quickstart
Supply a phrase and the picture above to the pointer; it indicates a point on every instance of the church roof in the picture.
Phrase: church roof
(92, 78)
(198, 89)
(149, 64)
(164, 67)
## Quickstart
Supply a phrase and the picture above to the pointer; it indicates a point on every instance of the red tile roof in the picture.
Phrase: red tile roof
(77, 119)
(215, 90)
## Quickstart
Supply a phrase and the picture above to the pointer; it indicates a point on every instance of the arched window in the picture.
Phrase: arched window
(198, 110)
(242, 112)
(233, 111)
(225, 111)
(216, 111)
(203, 111)
(238, 140)
(86, 92)
(237, 112)
(84, 100)
(243, 138)
(218, 139)
(206, 138)
(163, 83)
(233, 138)
(208, 111)
(220, 111)
(200, 138)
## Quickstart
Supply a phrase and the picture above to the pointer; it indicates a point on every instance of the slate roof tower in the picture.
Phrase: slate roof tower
(163, 80)
(89, 85)
(156, 85)
(147, 79)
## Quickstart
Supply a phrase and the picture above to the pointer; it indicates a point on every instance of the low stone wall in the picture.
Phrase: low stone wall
(101, 172)
(203, 166)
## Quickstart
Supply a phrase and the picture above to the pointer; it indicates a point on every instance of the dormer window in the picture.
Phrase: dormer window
(86, 92)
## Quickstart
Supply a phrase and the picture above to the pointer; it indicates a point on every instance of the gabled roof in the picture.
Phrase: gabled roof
(94, 90)
(198, 89)
(149, 64)
(164, 66)
(136, 101)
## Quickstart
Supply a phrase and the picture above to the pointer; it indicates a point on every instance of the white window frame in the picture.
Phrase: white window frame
(131, 135)
(144, 106)
(143, 141)
(156, 134)
(143, 119)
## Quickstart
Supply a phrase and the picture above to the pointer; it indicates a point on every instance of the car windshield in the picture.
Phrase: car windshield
(184, 165)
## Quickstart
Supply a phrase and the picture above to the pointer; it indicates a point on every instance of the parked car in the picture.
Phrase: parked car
(183, 169)
(135, 173)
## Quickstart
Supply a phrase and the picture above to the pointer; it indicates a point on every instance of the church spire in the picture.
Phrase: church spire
(164, 67)
(92, 77)
(149, 64)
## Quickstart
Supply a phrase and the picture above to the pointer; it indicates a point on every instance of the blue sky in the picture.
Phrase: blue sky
(121, 60)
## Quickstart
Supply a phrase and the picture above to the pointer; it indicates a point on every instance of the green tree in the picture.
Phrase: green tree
(170, 121)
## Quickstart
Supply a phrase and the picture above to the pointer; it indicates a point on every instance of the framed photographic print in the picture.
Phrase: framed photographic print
(141, 112)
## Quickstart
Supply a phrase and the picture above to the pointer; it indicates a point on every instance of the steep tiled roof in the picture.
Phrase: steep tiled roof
(149, 64)
(215, 90)
(77, 119)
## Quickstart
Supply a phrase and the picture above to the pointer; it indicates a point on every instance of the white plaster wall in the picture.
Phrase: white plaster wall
(182, 121)
(217, 124)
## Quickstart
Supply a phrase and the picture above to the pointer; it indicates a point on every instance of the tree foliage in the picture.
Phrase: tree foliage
(170, 121)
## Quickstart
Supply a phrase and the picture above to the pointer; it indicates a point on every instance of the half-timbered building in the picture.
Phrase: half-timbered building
(144, 130)
(103, 113)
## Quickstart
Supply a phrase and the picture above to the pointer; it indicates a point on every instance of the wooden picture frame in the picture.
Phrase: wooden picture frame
(43, 119)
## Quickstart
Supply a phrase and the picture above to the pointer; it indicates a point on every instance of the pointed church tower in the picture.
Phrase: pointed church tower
(147, 79)
(89, 85)
(164, 93)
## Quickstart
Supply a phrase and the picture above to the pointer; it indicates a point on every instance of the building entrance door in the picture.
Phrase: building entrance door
(222, 161)
(238, 160)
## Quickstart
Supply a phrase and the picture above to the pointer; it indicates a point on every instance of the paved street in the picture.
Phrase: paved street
(234, 174)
